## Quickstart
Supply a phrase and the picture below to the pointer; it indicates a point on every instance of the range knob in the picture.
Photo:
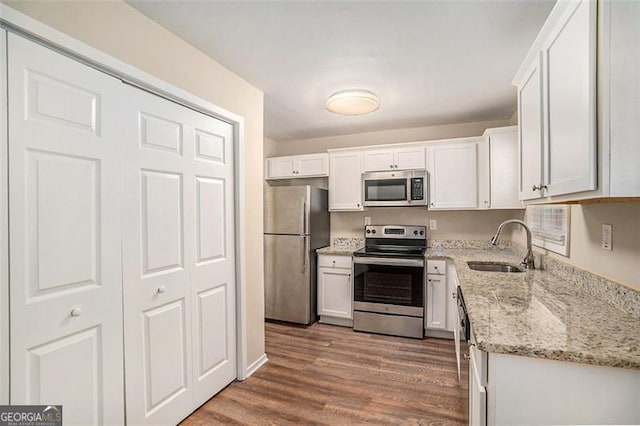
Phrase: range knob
(421, 232)
(373, 231)
(368, 231)
(415, 232)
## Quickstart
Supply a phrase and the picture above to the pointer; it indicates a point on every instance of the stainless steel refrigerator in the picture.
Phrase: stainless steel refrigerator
(296, 223)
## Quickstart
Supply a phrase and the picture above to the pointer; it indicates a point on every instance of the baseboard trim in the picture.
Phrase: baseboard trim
(255, 366)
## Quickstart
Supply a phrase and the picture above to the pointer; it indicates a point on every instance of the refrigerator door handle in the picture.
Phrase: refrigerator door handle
(304, 217)
(305, 253)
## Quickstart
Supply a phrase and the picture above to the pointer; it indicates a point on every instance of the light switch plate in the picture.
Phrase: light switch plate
(607, 236)
(433, 224)
(367, 220)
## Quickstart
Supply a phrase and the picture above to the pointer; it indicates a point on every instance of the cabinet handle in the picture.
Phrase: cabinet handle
(431, 204)
(466, 356)
(75, 312)
(454, 295)
(161, 290)
(538, 188)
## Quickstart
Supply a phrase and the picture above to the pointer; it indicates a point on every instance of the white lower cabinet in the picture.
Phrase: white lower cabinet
(436, 315)
(335, 290)
(477, 386)
(441, 311)
(510, 389)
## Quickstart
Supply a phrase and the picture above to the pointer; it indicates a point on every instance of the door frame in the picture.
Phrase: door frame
(14, 21)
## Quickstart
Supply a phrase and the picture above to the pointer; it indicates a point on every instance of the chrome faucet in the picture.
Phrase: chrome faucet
(528, 261)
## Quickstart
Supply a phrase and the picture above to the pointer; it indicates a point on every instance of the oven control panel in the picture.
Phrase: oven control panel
(396, 231)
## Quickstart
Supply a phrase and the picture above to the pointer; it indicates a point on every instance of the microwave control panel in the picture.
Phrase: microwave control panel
(417, 189)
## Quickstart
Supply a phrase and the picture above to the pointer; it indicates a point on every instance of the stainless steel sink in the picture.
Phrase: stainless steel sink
(494, 267)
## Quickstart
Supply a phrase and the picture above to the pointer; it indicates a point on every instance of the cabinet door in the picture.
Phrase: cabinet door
(436, 302)
(530, 132)
(453, 179)
(335, 292)
(66, 266)
(280, 167)
(378, 160)
(409, 158)
(312, 165)
(477, 391)
(570, 59)
(504, 168)
(345, 181)
(622, 117)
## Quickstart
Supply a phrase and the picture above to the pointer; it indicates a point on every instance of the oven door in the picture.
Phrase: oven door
(389, 285)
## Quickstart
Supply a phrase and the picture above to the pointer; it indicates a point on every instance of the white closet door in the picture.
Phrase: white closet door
(4, 229)
(213, 288)
(179, 288)
(65, 266)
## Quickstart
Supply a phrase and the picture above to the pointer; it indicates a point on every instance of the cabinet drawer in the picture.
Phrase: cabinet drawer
(436, 267)
(334, 261)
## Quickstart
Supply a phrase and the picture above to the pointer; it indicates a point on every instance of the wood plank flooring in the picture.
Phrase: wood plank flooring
(332, 375)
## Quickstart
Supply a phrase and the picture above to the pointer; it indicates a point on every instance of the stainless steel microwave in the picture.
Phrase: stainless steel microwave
(406, 188)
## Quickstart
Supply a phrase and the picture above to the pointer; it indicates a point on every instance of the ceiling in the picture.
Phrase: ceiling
(431, 62)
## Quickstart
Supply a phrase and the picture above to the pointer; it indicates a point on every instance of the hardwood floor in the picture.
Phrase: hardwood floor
(332, 375)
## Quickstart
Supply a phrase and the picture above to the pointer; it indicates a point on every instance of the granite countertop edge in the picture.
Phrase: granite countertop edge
(593, 334)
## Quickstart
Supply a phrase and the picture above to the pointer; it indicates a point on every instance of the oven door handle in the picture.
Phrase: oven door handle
(364, 260)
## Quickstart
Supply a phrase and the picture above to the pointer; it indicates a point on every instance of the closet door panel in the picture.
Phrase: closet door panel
(64, 218)
(179, 265)
(156, 245)
(213, 268)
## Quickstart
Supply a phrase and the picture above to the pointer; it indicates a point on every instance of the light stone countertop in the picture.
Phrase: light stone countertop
(342, 246)
(541, 314)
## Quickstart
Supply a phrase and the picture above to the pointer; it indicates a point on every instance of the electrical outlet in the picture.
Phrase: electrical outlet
(607, 236)
(433, 224)
(367, 220)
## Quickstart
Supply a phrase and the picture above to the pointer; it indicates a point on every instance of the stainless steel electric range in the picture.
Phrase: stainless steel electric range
(389, 277)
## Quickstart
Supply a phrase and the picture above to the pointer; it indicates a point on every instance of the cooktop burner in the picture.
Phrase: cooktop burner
(405, 252)
(394, 241)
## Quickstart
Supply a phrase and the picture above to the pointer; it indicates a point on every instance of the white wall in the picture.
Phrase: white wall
(622, 263)
(310, 146)
(270, 148)
(121, 31)
(452, 225)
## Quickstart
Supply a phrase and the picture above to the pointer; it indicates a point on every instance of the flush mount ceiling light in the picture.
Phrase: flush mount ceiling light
(353, 102)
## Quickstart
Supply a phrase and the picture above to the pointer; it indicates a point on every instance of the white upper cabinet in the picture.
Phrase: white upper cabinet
(459, 174)
(503, 157)
(530, 131)
(297, 166)
(569, 57)
(557, 105)
(619, 98)
(394, 159)
(345, 181)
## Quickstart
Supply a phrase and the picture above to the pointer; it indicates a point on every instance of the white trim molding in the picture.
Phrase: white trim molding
(255, 366)
(22, 24)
